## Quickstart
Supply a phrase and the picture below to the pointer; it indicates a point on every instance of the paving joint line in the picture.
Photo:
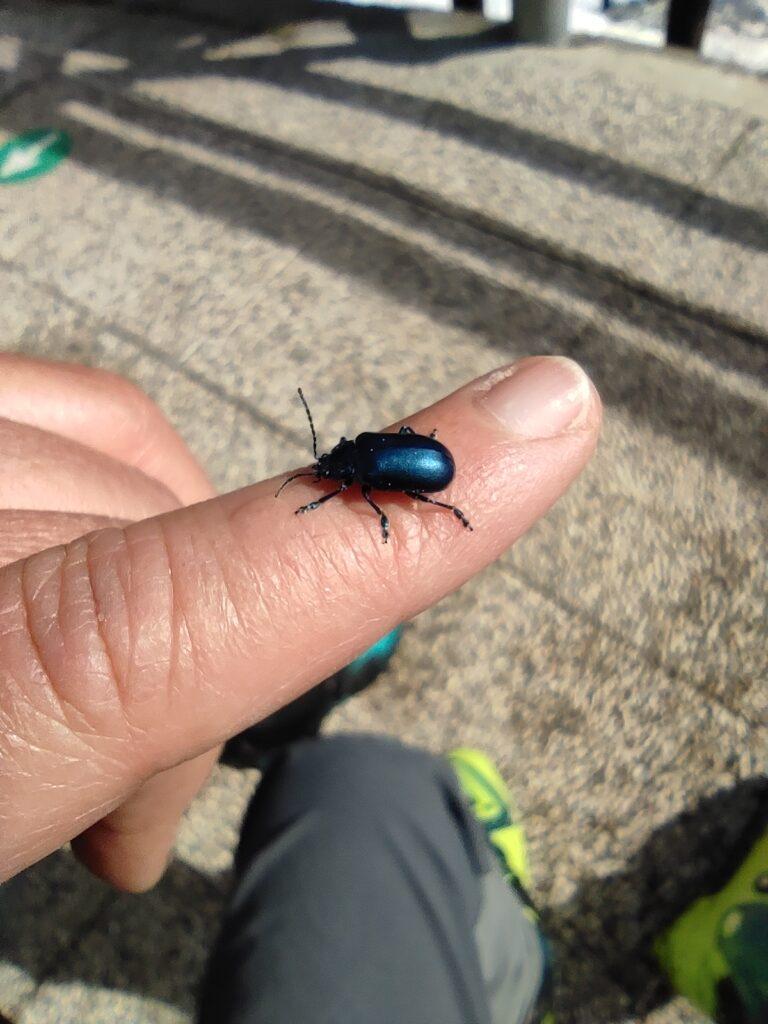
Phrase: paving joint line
(732, 151)
(726, 157)
(146, 347)
(656, 663)
(435, 205)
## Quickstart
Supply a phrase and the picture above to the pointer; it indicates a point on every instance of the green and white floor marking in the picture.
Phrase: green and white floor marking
(32, 154)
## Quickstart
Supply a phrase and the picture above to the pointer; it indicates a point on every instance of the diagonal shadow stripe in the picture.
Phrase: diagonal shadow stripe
(599, 172)
(691, 411)
(688, 204)
(319, 170)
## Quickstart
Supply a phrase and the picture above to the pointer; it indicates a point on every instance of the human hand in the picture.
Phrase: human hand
(167, 620)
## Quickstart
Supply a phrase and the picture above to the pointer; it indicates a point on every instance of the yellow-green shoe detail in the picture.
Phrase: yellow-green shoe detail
(492, 805)
(716, 953)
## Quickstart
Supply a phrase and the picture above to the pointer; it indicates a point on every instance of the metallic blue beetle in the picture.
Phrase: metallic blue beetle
(407, 462)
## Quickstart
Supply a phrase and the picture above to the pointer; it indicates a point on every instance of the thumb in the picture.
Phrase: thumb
(130, 650)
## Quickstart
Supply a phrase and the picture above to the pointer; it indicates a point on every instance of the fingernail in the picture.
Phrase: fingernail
(540, 397)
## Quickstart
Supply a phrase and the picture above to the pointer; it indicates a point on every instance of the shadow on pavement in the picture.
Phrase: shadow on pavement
(156, 945)
(384, 37)
(604, 935)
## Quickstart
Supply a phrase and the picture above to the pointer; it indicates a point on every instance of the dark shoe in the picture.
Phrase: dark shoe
(302, 718)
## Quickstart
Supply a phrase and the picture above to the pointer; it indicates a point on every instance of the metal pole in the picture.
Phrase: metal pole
(541, 21)
(686, 22)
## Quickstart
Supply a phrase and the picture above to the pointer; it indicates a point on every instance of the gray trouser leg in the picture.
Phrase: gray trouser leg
(366, 893)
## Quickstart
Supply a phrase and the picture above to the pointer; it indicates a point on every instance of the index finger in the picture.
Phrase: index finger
(133, 649)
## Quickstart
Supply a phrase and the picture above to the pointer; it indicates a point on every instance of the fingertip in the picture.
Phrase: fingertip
(132, 863)
(539, 397)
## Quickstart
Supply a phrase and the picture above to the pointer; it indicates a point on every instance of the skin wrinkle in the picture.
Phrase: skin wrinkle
(62, 713)
(37, 837)
(84, 655)
(121, 648)
(177, 621)
(339, 558)
(151, 643)
(31, 637)
(219, 598)
(90, 766)
(256, 589)
(14, 748)
(282, 575)
(21, 792)
(99, 631)
(184, 664)
(131, 577)
(17, 697)
(231, 613)
(228, 549)
(187, 559)
(327, 560)
(15, 740)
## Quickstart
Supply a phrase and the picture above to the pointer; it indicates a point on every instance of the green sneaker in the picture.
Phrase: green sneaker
(492, 805)
(716, 953)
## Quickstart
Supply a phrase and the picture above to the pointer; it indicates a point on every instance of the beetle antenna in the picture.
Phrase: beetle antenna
(311, 424)
(295, 475)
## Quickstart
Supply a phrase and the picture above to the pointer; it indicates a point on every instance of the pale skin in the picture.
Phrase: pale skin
(144, 620)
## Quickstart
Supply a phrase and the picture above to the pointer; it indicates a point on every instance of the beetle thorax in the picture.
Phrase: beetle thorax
(338, 464)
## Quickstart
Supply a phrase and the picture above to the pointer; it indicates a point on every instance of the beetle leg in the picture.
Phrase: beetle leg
(382, 518)
(326, 497)
(431, 501)
(410, 430)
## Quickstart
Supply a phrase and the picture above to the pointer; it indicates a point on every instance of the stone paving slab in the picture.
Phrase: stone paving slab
(559, 165)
